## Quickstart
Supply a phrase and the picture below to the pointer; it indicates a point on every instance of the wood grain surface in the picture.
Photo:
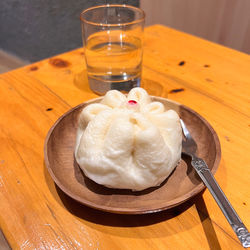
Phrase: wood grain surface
(36, 214)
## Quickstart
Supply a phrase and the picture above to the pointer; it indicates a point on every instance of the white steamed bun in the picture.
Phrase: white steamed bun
(128, 142)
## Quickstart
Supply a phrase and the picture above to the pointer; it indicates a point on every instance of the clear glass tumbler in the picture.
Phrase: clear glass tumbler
(112, 38)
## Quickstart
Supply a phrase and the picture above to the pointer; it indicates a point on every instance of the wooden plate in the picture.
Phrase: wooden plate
(180, 186)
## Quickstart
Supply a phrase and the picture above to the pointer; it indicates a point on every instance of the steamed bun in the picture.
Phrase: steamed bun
(128, 142)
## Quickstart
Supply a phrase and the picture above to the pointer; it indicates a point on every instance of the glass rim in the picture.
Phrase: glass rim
(110, 24)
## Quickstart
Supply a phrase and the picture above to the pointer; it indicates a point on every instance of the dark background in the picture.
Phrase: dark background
(36, 29)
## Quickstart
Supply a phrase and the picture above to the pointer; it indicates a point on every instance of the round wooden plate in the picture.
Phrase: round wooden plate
(180, 186)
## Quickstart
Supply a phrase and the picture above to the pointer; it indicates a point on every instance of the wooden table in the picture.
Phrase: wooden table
(35, 214)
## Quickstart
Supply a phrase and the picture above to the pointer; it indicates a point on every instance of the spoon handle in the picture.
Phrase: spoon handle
(227, 209)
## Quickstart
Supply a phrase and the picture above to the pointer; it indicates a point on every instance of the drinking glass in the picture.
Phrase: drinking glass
(112, 38)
